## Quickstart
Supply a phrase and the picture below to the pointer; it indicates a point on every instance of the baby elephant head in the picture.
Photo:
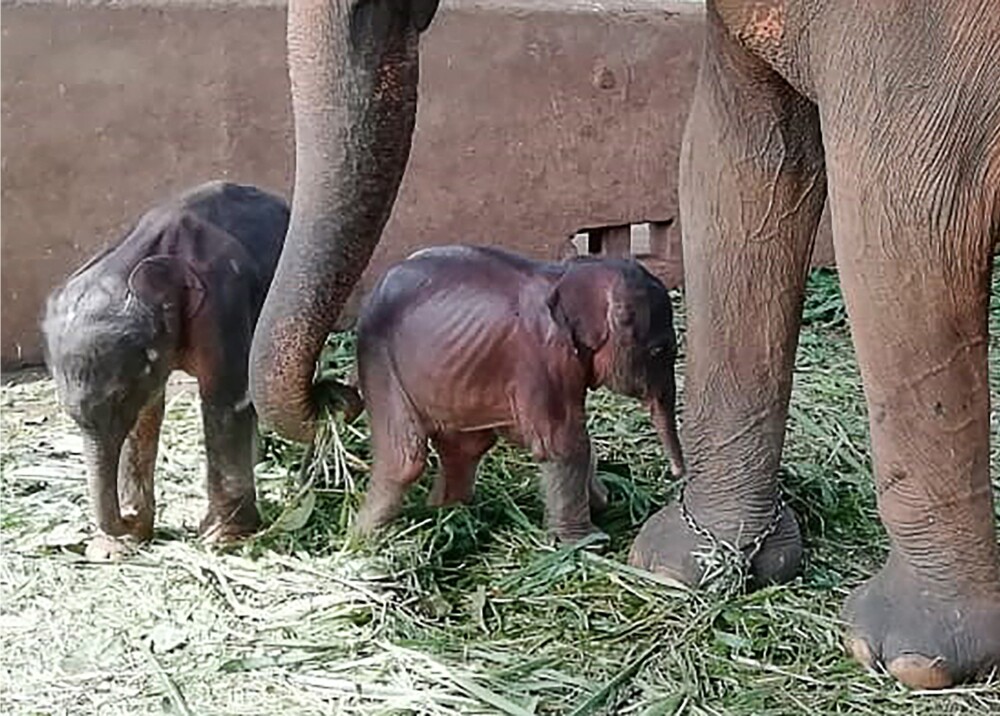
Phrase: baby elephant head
(619, 319)
(108, 339)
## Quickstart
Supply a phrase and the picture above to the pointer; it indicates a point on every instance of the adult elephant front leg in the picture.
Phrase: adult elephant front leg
(915, 201)
(752, 190)
(354, 67)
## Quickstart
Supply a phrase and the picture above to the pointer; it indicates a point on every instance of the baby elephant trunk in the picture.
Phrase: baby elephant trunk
(664, 415)
(103, 454)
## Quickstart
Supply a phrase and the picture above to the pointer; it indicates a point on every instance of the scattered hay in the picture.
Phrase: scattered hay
(460, 610)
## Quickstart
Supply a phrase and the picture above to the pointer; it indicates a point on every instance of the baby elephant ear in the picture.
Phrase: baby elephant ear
(579, 304)
(168, 282)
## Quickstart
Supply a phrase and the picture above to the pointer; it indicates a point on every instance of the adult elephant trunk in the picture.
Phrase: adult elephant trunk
(353, 67)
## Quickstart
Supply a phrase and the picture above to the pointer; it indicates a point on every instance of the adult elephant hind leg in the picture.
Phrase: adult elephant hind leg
(913, 239)
(460, 454)
(135, 471)
(752, 191)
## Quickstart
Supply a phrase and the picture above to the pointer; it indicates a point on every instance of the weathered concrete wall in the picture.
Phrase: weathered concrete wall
(106, 110)
(536, 120)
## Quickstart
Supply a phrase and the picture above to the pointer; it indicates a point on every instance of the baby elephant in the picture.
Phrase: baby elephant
(182, 290)
(460, 344)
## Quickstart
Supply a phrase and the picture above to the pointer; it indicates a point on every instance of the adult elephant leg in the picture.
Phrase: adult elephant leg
(932, 614)
(913, 232)
(752, 190)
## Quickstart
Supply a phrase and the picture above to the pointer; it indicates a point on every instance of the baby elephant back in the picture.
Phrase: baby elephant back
(219, 241)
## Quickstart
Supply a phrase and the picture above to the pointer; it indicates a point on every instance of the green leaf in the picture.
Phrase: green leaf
(296, 515)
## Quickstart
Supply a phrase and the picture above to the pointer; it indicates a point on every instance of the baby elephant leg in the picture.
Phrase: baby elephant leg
(230, 444)
(568, 486)
(598, 492)
(395, 467)
(399, 456)
(135, 471)
(399, 444)
(120, 462)
(460, 454)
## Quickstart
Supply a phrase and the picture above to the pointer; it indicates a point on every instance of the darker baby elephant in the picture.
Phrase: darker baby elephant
(182, 290)
(460, 344)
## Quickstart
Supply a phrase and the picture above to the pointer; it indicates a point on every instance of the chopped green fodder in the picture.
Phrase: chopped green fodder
(459, 610)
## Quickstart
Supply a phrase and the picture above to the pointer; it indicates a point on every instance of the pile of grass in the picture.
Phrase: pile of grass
(459, 610)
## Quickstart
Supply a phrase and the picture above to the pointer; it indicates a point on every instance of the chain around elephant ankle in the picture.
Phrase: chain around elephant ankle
(726, 557)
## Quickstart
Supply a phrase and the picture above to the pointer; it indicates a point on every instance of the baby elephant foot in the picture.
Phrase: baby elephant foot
(378, 510)
(569, 535)
(668, 545)
(138, 525)
(105, 548)
(925, 639)
(445, 492)
(230, 521)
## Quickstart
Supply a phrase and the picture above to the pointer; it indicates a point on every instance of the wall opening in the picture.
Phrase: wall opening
(641, 240)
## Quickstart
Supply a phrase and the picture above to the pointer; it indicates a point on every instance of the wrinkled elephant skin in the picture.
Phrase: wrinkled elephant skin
(459, 344)
(894, 112)
(354, 70)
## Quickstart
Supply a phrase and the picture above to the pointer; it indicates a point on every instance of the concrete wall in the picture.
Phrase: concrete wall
(536, 120)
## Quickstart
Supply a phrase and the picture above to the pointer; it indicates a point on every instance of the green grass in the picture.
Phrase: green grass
(460, 610)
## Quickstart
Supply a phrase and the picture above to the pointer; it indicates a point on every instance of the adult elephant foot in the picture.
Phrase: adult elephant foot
(926, 639)
(680, 547)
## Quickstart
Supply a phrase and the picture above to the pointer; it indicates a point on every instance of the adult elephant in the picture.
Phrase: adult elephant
(892, 109)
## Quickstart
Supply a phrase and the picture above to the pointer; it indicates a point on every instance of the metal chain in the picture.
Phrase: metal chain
(726, 566)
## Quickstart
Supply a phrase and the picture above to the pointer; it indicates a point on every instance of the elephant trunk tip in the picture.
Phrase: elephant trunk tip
(665, 420)
(281, 393)
(290, 421)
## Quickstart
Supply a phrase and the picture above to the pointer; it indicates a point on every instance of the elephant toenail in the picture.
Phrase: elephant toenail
(861, 652)
(920, 672)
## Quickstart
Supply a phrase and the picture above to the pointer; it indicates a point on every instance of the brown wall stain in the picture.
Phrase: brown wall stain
(531, 126)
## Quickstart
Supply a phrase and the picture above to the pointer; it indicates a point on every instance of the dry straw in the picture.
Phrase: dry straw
(464, 610)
